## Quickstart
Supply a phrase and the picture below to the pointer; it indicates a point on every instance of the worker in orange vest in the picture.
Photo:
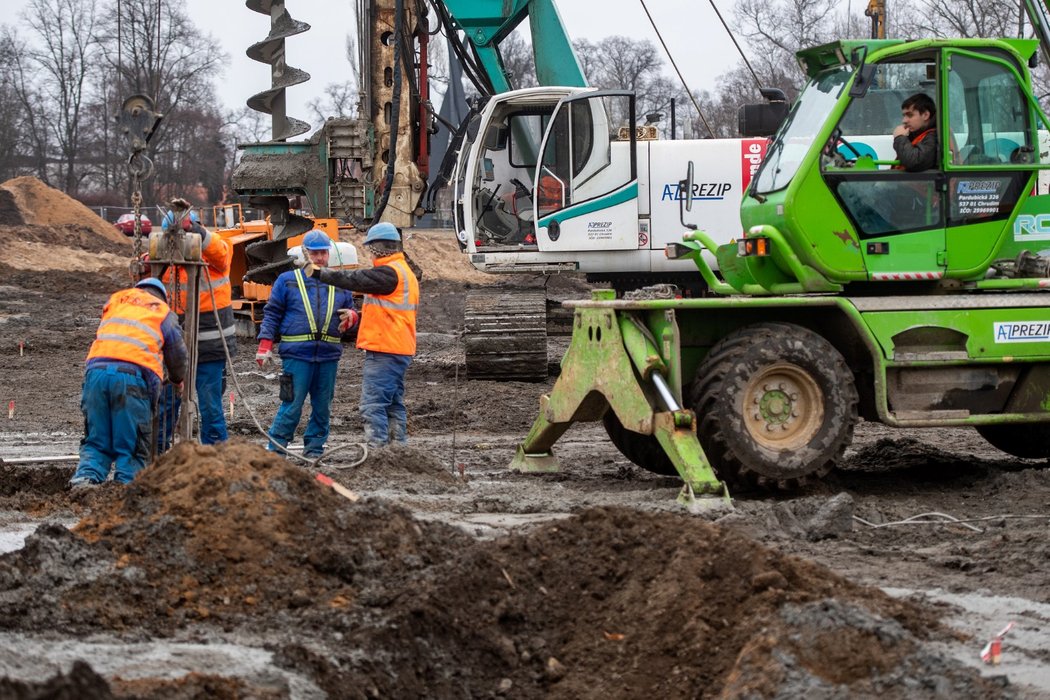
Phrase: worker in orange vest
(210, 381)
(387, 331)
(138, 338)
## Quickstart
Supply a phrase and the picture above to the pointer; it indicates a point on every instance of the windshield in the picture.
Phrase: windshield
(796, 136)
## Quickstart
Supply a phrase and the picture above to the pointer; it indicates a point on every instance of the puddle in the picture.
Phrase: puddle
(1025, 647)
(13, 534)
(491, 525)
(30, 658)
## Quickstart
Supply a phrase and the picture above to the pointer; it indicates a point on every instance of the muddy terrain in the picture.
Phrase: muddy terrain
(230, 572)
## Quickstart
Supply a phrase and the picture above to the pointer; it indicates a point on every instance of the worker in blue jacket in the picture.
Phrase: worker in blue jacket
(307, 318)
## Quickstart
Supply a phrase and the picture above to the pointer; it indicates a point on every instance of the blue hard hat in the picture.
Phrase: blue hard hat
(317, 240)
(382, 232)
(153, 283)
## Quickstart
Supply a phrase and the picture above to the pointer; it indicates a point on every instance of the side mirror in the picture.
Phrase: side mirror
(763, 119)
(861, 83)
(685, 196)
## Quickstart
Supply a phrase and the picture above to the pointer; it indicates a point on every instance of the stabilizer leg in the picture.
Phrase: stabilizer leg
(598, 374)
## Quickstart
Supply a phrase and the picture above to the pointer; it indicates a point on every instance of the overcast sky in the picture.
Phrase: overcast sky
(693, 34)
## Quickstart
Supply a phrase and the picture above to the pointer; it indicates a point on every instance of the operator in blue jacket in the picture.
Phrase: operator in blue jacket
(304, 316)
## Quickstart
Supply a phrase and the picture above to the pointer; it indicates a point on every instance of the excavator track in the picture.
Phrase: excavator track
(505, 335)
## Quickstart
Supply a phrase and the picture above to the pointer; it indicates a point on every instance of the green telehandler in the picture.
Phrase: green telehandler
(857, 288)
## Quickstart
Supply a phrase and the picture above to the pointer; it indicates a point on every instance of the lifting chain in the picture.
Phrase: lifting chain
(138, 121)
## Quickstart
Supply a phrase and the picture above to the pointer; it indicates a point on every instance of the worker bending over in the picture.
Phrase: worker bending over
(210, 382)
(387, 332)
(136, 340)
(302, 312)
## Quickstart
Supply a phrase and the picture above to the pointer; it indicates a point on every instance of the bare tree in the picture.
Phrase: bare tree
(339, 100)
(518, 60)
(61, 53)
(13, 150)
(154, 49)
(958, 18)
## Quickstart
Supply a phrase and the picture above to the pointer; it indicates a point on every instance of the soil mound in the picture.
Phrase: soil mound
(234, 530)
(39, 204)
(609, 603)
(44, 230)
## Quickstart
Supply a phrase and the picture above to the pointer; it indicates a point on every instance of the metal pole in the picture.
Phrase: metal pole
(190, 331)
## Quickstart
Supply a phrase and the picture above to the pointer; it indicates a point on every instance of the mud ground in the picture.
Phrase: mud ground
(231, 573)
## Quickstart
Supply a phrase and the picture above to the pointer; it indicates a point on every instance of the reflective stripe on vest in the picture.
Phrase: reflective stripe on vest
(388, 321)
(315, 333)
(130, 330)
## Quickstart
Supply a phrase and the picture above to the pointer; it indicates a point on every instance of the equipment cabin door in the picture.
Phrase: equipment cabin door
(585, 193)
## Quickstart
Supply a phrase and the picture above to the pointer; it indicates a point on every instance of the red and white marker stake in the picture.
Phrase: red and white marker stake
(21, 348)
(338, 488)
(11, 409)
(231, 405)
(993, 650)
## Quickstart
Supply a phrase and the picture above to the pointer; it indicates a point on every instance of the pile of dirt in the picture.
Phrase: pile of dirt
(43, 230)
(226, 532)
(611, 602)
(34, 202)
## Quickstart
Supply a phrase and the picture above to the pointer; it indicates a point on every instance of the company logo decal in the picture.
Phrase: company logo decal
(1032, 228)
(1022, 332)
(701, 191)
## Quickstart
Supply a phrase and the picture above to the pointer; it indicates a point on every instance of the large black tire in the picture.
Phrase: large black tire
(643, 450)
(1028, 441)
(775, 404)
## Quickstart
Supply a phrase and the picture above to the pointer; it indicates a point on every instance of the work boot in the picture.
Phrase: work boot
(81, 483)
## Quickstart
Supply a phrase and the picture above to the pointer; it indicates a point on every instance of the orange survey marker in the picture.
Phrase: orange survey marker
(993, 650)
(338, 488)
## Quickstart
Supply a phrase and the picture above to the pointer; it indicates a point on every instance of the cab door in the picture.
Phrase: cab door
(898, 216)
(993, 163)
(585, 194)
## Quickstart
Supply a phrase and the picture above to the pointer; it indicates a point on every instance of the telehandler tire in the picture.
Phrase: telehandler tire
(643, 450)
(775, 403)
(1018, 439)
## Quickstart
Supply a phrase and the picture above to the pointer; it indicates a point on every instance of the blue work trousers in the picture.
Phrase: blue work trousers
(118, 422)
(316, 379)
(383, 397)
(211, 385)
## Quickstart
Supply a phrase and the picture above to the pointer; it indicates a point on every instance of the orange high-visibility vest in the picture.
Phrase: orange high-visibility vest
(130, 330)
(218, 254)
(388, 321)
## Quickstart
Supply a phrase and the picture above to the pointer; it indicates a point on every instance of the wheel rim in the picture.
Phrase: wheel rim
(783, 407)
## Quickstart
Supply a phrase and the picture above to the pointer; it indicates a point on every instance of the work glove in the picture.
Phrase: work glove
(348, 318)
(311, 270)
(177, 388)
(265, 352)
